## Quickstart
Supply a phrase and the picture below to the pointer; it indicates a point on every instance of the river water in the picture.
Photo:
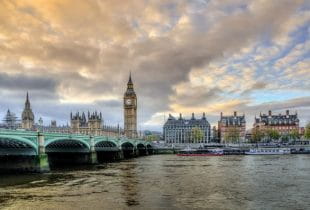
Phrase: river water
(167, 182)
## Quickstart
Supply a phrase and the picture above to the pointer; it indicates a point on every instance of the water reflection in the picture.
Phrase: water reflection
(129, 184)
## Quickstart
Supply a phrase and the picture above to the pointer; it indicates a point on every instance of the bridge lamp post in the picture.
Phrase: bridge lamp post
(41, 123)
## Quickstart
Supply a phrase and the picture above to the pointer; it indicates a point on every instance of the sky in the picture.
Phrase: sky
(185, 56)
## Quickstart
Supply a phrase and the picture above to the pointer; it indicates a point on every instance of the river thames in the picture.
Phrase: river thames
(167, 182)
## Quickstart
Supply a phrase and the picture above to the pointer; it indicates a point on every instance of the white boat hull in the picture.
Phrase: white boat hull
(268, 151)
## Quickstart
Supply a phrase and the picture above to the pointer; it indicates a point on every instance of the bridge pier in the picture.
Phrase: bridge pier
(41, 160)
(93, 159)
(120, 155)
(42, 164)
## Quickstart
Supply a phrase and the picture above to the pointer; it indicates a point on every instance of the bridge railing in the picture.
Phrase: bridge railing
(50, 136)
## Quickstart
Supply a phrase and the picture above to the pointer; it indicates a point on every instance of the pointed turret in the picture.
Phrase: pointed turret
(27, 102)
(27, 115)
(130, 83)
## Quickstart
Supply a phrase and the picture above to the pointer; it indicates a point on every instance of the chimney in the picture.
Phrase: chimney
(287, 112)
(235, 113)
(193, 116)
(269, 112)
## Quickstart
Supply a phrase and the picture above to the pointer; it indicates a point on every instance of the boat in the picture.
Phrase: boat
(201, 152)
(268, 151)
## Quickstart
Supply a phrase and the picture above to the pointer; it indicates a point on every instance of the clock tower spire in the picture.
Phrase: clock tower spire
(130, 110)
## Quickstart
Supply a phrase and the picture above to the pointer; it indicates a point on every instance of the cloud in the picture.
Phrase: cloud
(185, 56)
(20, 82)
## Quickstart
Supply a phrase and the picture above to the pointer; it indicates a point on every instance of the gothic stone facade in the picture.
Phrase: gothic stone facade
(91, 125)
(284, 124)
(27, 116)
(130, 111)
(180, 131)
(231, 126)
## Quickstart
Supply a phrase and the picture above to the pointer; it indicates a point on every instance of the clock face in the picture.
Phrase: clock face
(128, 102)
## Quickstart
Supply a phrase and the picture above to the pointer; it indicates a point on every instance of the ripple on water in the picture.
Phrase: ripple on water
(168, 182)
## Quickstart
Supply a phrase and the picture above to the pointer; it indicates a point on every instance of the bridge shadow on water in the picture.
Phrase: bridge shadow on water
(14, 164)
(64, 160)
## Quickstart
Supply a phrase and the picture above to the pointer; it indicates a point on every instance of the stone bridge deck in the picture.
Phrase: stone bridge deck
(42, 145)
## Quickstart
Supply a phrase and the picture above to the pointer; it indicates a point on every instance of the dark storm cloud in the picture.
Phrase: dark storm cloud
(22, 82)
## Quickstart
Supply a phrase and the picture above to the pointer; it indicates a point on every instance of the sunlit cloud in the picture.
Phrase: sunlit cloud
(185, 56)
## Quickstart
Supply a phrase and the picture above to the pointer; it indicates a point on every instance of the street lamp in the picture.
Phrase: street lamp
(41, 123)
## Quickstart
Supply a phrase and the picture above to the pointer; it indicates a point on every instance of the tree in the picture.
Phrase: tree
(272, 134)
(294, 134)
(232, 135)
(151, 138)
(197, 134)
(307, 131)
(285, 138)
(257, 135)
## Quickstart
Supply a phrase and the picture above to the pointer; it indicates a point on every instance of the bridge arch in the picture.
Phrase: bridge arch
(15, 145)
(141, 147)
(128, 149)
(106, 145)
(107, 150)
(66, 144)
(127, 144)
(149, 148)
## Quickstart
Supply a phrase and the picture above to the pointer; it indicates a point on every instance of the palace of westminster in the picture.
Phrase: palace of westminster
(89, 124)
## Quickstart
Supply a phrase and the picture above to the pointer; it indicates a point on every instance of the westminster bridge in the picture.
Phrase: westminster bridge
(37, 151)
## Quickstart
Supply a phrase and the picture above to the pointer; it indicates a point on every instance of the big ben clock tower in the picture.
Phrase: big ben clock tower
(130, 111)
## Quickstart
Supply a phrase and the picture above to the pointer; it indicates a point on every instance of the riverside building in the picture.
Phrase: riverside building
(283, 123)
(181, 131)
(231, 128)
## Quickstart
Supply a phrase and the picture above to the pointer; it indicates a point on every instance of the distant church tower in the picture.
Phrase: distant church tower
(130, 111)
(27, 115)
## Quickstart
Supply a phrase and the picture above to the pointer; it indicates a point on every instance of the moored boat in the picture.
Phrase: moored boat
(268, 151)
(201, 152)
